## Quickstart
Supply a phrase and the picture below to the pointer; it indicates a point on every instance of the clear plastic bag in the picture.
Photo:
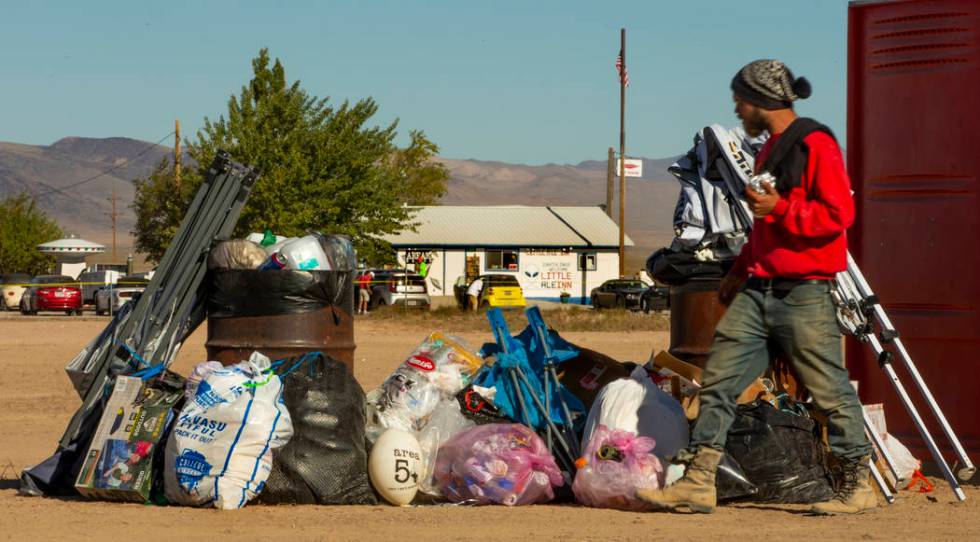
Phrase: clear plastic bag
(613, 467)
(497, 464)
(445, 422)
(438, 369)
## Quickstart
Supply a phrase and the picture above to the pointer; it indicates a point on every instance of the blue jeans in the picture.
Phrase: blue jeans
(800, 322)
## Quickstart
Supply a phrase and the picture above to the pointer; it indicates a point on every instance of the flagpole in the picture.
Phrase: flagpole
(622, 155)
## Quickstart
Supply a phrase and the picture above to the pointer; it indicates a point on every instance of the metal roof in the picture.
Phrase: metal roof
(509, 225)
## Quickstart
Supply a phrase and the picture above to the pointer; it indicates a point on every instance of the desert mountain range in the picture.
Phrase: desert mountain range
(53, 173)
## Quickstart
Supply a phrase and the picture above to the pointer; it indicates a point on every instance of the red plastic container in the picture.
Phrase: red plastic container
(914, 158)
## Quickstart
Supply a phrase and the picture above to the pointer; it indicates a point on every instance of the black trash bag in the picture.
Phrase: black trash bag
(249, 292)
(675, 268)
(325, 462)
(781, 454)
(730, 481)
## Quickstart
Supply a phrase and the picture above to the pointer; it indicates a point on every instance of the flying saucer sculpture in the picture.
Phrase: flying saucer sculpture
(70, 253)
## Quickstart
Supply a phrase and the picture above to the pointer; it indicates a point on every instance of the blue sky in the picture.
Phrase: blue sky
(514, 81)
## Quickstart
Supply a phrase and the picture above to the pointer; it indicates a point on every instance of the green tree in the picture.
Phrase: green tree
(323, 166)
(23, 226)
(159, 205)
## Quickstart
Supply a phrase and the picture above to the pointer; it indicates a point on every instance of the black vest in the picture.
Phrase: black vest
(788, 156)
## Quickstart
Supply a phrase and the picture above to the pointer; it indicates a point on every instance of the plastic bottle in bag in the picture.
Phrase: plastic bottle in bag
(274, 262)
(438, 369)
(305, 254)
(613, 466)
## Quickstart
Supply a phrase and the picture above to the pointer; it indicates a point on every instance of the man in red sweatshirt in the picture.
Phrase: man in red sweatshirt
(778, 294)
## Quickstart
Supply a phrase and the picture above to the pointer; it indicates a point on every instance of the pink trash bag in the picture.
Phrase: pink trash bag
(497, 464)
(613, 467)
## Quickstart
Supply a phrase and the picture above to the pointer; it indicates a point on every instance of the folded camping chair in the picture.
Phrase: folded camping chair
(527, 385)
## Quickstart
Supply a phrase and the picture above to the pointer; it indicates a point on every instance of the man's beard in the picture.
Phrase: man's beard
(755, 125)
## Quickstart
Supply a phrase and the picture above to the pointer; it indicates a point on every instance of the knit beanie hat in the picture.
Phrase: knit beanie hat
(769, 84)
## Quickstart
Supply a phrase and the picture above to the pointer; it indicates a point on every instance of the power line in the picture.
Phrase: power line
(63, 189)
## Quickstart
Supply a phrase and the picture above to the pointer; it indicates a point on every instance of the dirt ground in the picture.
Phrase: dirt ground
(36, 402)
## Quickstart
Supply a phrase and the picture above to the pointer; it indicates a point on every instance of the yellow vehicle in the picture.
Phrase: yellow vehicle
(498, 290)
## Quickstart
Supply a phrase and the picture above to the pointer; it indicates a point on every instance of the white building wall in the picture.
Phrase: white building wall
(543, 273)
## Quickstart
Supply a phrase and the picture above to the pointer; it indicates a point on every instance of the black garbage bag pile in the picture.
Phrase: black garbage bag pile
(780, 453)
(325, 462)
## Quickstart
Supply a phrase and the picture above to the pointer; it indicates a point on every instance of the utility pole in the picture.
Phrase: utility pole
(112, 219)
(610, 187)
(177, 153)
(622, 155)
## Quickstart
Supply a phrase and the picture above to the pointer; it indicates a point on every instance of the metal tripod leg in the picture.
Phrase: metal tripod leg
(914, 414)
(967, 470)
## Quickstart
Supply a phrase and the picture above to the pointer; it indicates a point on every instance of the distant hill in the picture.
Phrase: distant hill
(50, 172)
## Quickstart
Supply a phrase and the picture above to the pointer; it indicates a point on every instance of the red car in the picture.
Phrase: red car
(52, 293)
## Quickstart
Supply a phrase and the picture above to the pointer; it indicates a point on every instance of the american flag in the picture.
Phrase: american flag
(624, 76)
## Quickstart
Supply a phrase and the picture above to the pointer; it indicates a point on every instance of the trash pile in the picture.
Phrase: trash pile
(529, 418)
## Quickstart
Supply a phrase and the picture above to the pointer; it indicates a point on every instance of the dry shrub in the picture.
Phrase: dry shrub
(570, 318)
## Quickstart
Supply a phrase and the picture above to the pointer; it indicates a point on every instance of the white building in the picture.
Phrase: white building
(549, 249)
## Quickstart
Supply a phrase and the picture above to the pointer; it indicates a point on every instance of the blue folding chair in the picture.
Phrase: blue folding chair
(527, 384)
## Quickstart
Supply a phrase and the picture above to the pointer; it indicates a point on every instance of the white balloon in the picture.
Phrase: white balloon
(394, 466)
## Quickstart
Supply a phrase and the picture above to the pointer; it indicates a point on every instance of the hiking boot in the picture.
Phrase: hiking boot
(852, 489)
(695, 490)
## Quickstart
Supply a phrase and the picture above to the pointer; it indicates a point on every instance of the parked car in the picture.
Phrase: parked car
(619, 294)
(111, 298)
(93, 281)
(499, 290)
(52, 293)
(656, 298)
(12, 286)
(399, 287)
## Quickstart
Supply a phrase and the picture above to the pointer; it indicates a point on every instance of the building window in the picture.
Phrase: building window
(586, 261)
(505, 260)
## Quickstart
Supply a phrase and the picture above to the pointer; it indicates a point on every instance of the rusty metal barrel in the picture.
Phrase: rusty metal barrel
(281, 313)
(694, 313)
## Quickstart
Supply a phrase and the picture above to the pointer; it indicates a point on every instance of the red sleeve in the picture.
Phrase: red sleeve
(828, 207)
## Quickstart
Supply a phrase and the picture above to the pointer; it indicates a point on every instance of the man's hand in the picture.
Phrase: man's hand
(762, 204)
(729, 288)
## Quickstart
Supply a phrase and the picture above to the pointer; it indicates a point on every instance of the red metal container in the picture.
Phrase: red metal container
(914, 158)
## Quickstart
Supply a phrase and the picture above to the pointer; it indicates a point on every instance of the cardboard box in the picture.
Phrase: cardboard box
(119, 462)
(586, 374)
(684, 382)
